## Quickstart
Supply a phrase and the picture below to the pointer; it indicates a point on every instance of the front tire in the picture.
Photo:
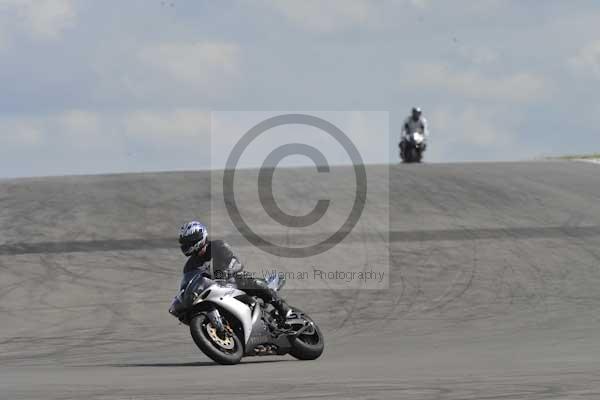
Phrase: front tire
(419, 156)
(227, 350)
(414, 155)
(308, 346)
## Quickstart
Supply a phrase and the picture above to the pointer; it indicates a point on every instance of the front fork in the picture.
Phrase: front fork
(215, 319)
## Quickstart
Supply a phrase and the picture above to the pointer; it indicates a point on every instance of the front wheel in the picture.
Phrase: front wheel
(309, 345)
(224, 349)
(414, 155)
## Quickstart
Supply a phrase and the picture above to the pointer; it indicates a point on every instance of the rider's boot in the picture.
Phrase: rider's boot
(283, 309)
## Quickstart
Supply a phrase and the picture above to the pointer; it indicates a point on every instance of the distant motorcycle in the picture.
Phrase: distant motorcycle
(227, 324)
(412, 147)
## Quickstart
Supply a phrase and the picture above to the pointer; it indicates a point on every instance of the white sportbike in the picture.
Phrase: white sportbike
(227, 324)
(412, 147)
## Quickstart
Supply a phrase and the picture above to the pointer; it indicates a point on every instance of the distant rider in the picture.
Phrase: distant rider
(415, 122)
(193, 238)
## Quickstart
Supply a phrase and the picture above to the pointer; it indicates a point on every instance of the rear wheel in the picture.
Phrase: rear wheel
(309, 345)
(223, 348)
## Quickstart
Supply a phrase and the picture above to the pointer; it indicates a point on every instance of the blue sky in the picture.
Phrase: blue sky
(117, 86)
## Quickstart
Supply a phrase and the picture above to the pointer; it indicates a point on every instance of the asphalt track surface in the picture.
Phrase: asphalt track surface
(494, 290)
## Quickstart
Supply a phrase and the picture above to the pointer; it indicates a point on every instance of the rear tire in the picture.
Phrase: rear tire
(308, 347)
(199, 329)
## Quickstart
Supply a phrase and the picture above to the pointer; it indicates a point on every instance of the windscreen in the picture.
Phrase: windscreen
(187, 277)
(196, 285)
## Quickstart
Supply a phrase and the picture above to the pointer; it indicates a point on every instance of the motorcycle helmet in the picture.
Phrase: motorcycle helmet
(192, 237)
(416, 113)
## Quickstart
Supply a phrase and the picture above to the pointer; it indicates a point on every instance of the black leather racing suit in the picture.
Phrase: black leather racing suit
(225, 265)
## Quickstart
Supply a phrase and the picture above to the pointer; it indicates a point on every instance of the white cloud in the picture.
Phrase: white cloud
(522, 87)
(421, 3)
(188, 124)
(477, 55)
(79, 121)
(16, 131)
(82, 128)
(83, 141)
(4, 41)
(475, 126)
(367, 130)
(41, 19)
(78, 128)
(587, 61)
(70, 127)
(173, 74)
(199, 64)
(475, 132)
(326, 16)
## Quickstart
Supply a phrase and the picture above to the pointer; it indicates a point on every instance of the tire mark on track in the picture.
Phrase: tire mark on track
(462, 234)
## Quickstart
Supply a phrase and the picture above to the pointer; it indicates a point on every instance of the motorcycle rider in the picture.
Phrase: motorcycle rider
(193, 238)
(415, 122)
